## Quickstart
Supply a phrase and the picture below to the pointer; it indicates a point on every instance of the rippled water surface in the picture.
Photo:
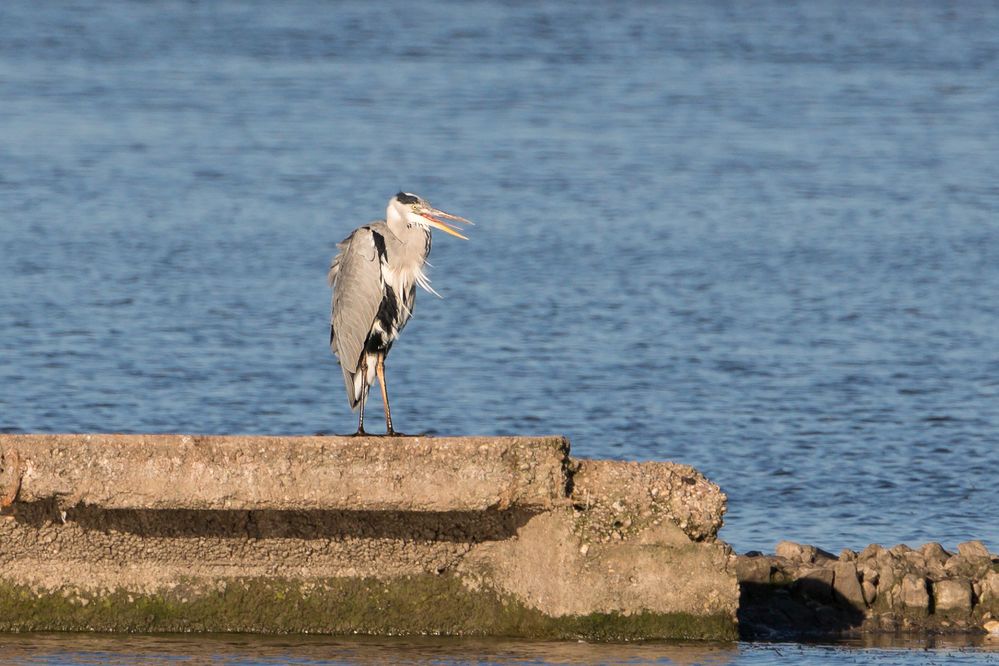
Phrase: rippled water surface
(758, 238)
(87, 650)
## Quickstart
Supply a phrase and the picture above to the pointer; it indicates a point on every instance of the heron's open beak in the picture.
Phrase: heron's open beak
(432, 215)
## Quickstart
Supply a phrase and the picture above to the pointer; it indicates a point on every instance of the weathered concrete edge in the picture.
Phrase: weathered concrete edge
(233, 472)
(416, 605)
(623, 498)
(243, 472)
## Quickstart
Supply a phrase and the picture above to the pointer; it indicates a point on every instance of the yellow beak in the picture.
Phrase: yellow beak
(432, 216)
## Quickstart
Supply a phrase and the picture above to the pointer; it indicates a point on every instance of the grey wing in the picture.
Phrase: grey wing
(355, 276)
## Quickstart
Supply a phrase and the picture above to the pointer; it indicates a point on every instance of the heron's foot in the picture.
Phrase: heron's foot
(361, 432)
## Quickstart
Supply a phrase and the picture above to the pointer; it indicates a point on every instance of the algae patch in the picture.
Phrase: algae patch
(429, 605)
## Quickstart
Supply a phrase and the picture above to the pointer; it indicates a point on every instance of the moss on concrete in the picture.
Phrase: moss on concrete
(436, 605)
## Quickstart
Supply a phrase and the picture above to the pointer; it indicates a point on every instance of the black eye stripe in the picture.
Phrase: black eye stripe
(406, 198)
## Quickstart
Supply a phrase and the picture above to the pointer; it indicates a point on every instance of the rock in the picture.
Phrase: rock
(796, 552)
(847, 555)
(934, 552)
(871, 552)
(968, 567)
(915, 560)
(889, 572)
(934, 559)
(827, 616)
(992, 627)
(989, 595)
(816, 584)
(973, 550)
(887, 623)
(870, 592)
(847, 586)
(755, 570)
(952, 596)
(900, 550)
(914, 595)
(868, 572)
(824, 556)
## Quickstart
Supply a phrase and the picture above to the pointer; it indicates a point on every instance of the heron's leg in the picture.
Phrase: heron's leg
(380, 370)
(360, 415)
(364, 398)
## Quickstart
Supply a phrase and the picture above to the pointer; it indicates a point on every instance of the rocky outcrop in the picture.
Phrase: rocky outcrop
(484, 536)
(803, 590)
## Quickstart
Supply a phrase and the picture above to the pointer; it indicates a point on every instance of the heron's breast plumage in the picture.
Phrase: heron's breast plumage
(401, 262)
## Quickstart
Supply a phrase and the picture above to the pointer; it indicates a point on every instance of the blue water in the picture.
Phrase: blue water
(93, 650)
(759, 238)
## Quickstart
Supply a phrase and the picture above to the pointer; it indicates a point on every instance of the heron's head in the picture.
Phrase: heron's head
(414, 211)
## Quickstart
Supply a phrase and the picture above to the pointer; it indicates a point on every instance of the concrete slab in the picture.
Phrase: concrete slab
(285, 473)
(460, 536)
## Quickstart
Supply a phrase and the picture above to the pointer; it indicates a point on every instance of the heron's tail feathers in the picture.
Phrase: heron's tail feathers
(349, 378)
(357, 382)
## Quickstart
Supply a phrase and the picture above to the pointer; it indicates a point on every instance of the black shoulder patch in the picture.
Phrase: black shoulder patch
(379, 245)
(406, 198)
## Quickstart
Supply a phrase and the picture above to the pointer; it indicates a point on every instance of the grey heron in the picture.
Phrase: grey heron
(374, 277)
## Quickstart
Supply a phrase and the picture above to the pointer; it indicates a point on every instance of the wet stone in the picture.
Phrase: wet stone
(847, 585)
(952, 596)
(989, 594)
(968, 567)
(914, 593)
(875, 590)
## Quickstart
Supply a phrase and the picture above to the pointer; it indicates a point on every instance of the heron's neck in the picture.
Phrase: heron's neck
(412, 241)
(407, 252)
(405, 232)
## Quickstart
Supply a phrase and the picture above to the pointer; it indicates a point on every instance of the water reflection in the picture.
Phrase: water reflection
(85, 649)
(145, 650)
